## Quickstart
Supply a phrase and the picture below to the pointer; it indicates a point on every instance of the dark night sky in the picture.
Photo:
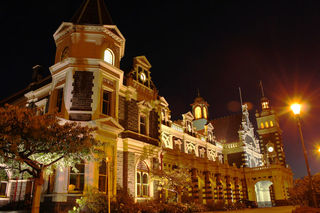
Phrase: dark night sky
(215, 46)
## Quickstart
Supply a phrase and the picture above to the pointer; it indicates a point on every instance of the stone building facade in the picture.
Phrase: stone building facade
(224, 157)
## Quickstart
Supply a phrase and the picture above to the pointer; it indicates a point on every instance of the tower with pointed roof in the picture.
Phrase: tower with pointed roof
(270, 133)
(88, 53)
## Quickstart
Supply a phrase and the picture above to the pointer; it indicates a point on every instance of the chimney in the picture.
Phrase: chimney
(37, 73)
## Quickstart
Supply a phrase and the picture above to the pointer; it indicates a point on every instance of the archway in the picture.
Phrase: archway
(264, 193)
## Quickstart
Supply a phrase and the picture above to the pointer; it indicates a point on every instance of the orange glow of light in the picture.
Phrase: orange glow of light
(295, 108)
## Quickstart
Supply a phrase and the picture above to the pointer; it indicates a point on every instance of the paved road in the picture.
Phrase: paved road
(281, 209)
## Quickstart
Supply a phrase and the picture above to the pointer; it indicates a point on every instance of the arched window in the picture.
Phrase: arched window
(267, 124)
(142, 179)
(204, 112)
(261, 125)
(109, 56)
(271, 124)
(197, 112)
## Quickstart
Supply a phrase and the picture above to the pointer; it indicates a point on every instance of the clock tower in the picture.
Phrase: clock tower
(270, 134)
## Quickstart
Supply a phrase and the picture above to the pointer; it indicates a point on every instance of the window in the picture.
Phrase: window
(109, 56)
(261, 125)
(271, 124)
(142, 180)
(189, 126)
(265, 105)
(59, 99)
(145, 184)
(77, 179)
(3, 188)
(204, 112)
(143, 125)
(267, 124)
(103, 176)
(106, 102)
(197, 112)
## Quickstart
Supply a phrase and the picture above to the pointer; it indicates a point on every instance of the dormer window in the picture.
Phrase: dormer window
(109, 56)
(197, 112)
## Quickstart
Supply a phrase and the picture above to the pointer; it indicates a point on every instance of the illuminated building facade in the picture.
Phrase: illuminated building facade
(134, 123)
(270, 134)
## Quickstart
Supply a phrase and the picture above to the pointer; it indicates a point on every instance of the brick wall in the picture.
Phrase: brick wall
(131, 172)
(120, 169)
(154, 125)
(128, 114)
(122, 112)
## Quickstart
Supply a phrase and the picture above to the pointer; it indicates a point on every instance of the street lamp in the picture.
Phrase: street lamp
(296, 111)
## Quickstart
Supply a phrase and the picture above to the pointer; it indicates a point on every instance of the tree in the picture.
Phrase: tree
(34, 143)
(300, 192)
(176, 180)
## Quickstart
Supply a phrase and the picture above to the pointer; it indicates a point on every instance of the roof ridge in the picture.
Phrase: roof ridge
(92, 12)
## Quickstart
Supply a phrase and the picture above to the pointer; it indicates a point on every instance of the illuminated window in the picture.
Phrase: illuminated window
(142, 180)
(106, 102)
(204, 112)
(261, 125)
(267, 124)
(103, 176)
(197, 112)
(265, 105)
(76, 182)
(109, 56)
(271, 123)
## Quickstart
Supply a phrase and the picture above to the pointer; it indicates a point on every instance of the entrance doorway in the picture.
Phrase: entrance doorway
(264, 193)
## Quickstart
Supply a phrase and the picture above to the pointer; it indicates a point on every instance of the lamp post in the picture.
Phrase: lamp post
(296, 111)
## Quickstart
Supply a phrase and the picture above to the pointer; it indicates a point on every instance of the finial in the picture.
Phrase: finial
(198, 92)
(262, 92)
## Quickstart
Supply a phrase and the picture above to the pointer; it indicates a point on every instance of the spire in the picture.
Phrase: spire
(240, 94)
(92, 12)
(265, 104)
(262, 92)
(198, 93)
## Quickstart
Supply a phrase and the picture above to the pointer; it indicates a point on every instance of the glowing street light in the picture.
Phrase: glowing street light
(296, 111)
(296, 108)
